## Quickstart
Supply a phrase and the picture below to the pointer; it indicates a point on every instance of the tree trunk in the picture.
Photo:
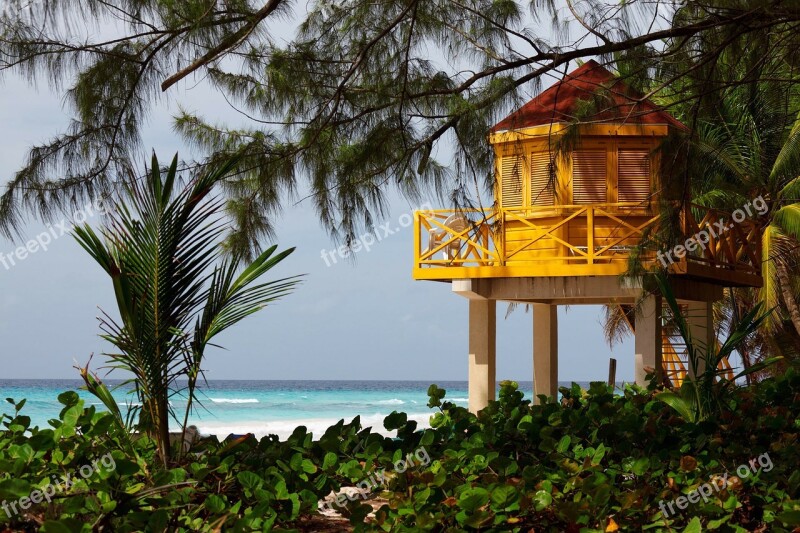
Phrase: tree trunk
(788, 296)
(154, 420)
(163, 429)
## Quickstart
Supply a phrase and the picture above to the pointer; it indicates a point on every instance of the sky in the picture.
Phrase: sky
(362, 319)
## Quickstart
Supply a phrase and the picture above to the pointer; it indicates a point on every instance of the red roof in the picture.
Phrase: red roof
(559, 102)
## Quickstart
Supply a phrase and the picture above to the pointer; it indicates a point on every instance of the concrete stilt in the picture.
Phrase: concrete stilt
(648, 339)
(482, 357)
(545, 350)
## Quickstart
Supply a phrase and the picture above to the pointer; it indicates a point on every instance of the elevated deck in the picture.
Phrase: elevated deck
(577, 240)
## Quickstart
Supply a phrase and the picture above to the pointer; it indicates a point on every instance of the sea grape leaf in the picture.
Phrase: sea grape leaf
(472, 499)
(694, 526)
(503, 497)
(542, 500)
(395, 420)
(215, 504)
(249, 480)
(790, 518)
(14, 489)
(330, 460)
(68, 398)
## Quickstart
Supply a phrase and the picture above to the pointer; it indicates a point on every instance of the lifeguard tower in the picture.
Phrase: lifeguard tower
(565, 222)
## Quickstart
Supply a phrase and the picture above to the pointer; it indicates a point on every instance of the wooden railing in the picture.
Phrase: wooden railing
(730, 244)
(464, 238)
(470, 244)
(534, 241)
(595, 248)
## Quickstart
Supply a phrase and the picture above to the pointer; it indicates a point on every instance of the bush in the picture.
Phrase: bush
(595, 461)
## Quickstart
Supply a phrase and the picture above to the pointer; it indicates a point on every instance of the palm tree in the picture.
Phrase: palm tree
(728, 314)
(753, 151)
(707, 394)
(175, 290)
(747, 145)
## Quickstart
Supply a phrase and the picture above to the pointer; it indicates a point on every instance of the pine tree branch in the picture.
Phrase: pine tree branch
(232, 41)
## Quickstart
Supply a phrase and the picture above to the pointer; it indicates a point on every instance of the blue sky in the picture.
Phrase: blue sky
(351, 320)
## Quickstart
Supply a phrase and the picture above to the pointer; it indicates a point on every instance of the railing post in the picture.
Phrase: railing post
(685, 213)
(710, 252)
(590, 234)
(501, 250)
(417, 239)
(486, 241)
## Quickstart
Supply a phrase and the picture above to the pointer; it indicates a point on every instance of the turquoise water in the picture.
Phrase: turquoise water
(263, 407)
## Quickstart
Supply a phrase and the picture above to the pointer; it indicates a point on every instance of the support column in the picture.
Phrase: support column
(482, 337)
(700, 319)
(648, 339)
(545, 350)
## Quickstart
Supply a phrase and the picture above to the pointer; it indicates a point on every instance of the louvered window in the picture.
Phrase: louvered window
(511, 181)
(541, 184)
(589, 177)
(634, 176)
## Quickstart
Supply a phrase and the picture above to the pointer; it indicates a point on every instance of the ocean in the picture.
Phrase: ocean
(262, 407)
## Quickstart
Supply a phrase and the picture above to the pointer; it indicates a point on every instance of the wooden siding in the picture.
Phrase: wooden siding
(542, 179)
(633, 176)
(511, 181)
(589, 177)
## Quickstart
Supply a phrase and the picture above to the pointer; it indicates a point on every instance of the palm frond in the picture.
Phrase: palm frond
(787, 218)
(618, 321)
(770, 292)
(787, 163)
(790, 193)
(174, 291)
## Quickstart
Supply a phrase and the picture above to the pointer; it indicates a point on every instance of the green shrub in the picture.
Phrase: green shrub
(598, 460)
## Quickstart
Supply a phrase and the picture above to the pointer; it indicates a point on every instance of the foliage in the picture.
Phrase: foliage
(596, 461)
(745, 146)
(706, 390)
(363, 96)
(174, 291)
(750, 148)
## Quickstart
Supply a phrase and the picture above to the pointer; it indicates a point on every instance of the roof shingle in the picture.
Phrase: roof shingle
(559, 103)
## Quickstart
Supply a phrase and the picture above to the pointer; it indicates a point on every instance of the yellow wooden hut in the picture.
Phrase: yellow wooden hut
(578, 187)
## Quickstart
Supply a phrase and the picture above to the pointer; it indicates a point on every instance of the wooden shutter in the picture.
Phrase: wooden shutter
(589, 177)
(541, 186)
(634, 176)
(511, 181)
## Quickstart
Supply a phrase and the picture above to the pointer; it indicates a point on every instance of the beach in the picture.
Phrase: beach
(263, 407)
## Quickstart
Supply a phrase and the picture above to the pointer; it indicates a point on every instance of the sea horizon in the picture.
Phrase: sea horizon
(263, 407)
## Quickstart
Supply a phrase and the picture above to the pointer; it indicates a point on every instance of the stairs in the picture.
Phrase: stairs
(675, 360)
